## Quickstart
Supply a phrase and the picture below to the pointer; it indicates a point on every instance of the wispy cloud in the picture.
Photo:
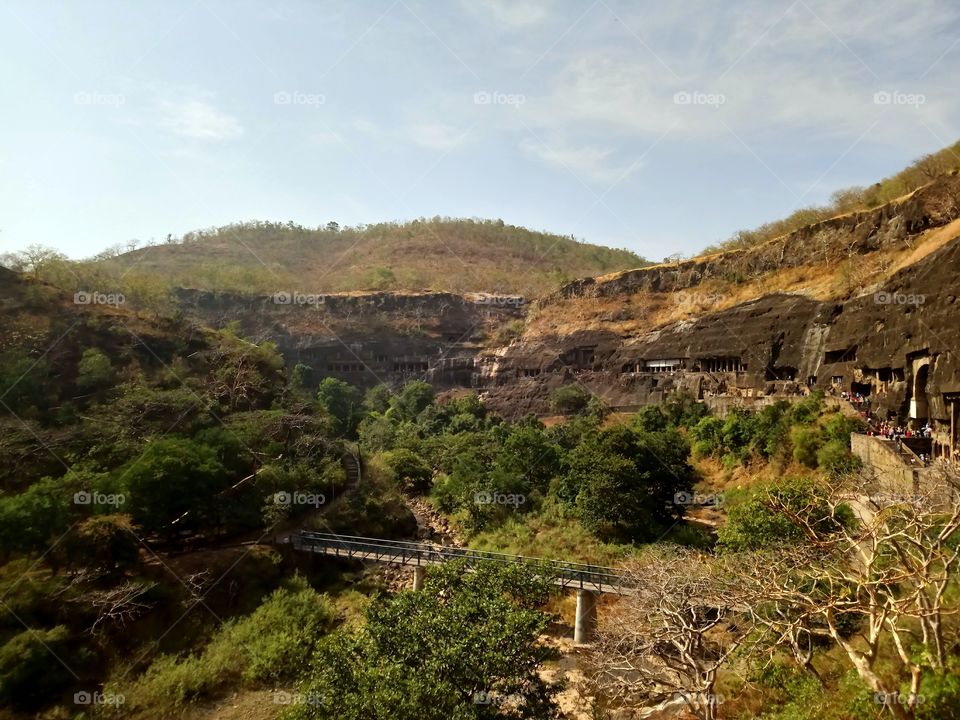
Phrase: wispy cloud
(426, 134)
(515, 13)
(590, 164)
(436, 136)
(199, 120)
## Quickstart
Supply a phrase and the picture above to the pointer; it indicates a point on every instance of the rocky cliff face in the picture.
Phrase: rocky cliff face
(877, 344)
(780, 343)
(829, 241)
(367, 338)
(895, 342)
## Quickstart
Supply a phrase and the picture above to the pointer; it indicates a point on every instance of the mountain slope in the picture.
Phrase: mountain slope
(438, 254)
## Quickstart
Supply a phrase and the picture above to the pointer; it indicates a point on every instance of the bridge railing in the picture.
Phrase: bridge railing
(567, 574)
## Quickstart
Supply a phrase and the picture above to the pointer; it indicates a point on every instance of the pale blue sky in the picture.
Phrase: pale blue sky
(130, 120)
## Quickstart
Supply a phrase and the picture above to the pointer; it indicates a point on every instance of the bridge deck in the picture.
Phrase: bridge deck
(566, 574)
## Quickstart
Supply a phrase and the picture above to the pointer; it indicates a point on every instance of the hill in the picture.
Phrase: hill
(452, 255)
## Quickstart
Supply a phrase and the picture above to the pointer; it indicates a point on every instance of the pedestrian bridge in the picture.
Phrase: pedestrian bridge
(588, 580)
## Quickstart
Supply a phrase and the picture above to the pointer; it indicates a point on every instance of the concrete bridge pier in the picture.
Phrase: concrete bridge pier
(419, 574)
(586, 622)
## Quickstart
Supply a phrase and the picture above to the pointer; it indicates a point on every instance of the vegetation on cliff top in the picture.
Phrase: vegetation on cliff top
(852, 199)
(447, 254)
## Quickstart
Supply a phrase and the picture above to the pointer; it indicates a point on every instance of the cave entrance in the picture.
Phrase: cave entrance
(862, 388)
(919, 403)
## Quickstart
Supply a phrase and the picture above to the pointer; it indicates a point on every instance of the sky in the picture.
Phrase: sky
(661, 127)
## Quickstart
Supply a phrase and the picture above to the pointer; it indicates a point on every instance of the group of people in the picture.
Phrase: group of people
(892, 431)
(859, 401)
(896, 433)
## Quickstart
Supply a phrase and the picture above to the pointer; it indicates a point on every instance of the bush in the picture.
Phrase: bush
(569, 399)
(276, 642)
(835, 458)
(94, 371)
(755, 522)
(29, 674)
(941, 697)
(273, 644)
(806, 444)
(409, 470)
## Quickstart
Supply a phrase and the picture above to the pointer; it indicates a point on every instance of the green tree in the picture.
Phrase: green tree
(569, 399)
(467, 646)
(174, 478)
(624, 482)
(835, 458)
(650, 418)
(377, 399)
(683, 409)
(34, 518)
(528, 451)
(414, 397)
(806, 442)
(343, 402)
(409, 469)
(95, 370)
(707, 436)
(773, 515)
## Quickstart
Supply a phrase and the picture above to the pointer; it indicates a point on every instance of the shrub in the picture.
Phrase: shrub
(755, 521)
(94, 370)
(409, 470)
(29, 675)
(941, 697)
(272, 644)
(569, 399)
(806, 444)
(835, 458)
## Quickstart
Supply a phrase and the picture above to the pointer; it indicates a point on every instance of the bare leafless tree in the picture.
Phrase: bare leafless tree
(663, 645)
(116, 606)
(884, 573)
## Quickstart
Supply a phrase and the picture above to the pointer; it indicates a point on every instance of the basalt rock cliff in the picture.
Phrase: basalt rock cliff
(893, 337)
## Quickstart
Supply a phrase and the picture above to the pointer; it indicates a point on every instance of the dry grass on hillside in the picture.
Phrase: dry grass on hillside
(642, 312)
(456, 255)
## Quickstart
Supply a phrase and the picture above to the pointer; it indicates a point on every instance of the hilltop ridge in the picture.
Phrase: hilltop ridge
(439, 254)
